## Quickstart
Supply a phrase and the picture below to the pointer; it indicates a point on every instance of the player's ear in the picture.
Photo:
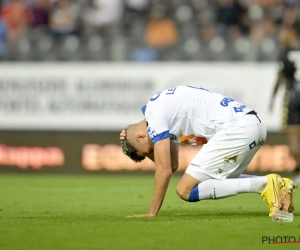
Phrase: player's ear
(140, 137)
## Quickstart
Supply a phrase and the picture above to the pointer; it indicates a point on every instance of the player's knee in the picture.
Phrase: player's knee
(183, 194)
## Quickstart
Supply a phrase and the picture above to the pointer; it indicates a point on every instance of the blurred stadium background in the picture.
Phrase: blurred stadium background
(144, 30)
(74, 73)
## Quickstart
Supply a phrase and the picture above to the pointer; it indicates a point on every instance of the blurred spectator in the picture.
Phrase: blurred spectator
(233, 40)
(40, 13)
(143, 54)
(234, 34)
(137, 6)
(161, 32)
(246, 28)
(135, 10)
(269, 28)
(208, 32)
(256, 37)
(229, 13)
(16, 15)
(63, 19)
(104, 13)
(3, 37)
(290, 20)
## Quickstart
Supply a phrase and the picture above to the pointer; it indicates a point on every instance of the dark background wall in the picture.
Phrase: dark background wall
(70, 144)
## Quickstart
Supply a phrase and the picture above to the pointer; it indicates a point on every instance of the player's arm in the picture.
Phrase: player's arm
(162, 174)
(174, 156)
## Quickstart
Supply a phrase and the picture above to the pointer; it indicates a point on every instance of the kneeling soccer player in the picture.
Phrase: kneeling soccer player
(231, 133)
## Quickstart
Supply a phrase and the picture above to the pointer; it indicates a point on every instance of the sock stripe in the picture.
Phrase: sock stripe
(194, 195)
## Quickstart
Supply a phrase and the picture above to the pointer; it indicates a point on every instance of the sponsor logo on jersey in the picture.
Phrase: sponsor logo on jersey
(192, 139)
(173, 137)
(258, 143)
(261, 142)
(225, 101)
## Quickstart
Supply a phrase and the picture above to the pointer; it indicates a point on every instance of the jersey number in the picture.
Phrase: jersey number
(168, 92)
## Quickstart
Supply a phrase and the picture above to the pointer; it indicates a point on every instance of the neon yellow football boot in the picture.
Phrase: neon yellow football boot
(286, 195)
(272, 191)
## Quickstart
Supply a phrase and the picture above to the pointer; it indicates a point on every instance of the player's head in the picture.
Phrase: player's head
(137, 144)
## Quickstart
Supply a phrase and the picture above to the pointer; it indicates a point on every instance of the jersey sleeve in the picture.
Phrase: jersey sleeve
(157, 122)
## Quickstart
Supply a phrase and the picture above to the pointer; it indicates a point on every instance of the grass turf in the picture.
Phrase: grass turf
(89, 212)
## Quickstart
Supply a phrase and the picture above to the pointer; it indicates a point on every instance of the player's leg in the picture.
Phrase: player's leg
(227, 155)
(297, 178)
(248, 176)
(293, 133)
(292, 125)
(217, 189)
(188, 183)
(204, 186)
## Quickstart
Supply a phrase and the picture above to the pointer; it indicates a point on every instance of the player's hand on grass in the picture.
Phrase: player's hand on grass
(122, 136)
(141, 215)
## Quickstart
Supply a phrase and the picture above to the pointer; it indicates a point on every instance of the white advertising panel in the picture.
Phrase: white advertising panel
(96, 96)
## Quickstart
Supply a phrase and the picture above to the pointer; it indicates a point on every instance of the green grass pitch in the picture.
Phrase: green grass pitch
(41, 212)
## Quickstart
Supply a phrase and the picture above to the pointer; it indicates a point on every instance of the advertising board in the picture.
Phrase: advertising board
(101, 97)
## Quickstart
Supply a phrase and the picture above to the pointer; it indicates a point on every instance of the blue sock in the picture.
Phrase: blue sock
(194, 195)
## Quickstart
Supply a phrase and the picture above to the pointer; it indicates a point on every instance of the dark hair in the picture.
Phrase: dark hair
(129, 150)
